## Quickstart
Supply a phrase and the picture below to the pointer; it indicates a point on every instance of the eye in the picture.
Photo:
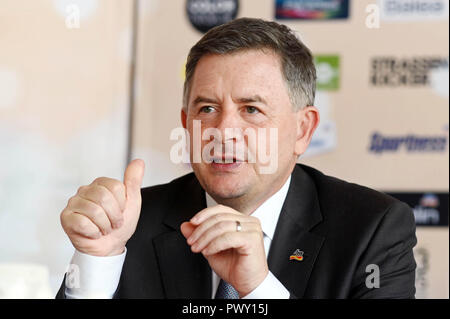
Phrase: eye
(251, 109)
(207, 109)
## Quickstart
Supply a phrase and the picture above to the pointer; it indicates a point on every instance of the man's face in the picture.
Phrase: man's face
(245, 91)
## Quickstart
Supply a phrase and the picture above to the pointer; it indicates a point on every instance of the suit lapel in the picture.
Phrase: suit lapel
(300, 213)
(184, 274)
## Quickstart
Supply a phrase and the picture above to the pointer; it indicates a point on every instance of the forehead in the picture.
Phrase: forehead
(239, 73)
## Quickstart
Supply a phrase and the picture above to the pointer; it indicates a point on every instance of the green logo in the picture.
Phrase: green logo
(327, 68)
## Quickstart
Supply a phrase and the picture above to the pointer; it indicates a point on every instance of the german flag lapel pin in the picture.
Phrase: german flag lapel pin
(297, 255)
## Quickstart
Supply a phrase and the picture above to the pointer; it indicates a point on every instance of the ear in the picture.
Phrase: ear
(183, 117)
(307, 121)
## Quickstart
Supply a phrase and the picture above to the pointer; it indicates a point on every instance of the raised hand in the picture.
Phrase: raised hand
(101, 217)
(237, 257)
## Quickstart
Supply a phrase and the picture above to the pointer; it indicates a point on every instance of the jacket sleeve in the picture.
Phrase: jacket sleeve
(386, 269)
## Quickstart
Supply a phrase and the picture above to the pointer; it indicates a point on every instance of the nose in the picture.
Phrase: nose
(229, 122)
(230, 126)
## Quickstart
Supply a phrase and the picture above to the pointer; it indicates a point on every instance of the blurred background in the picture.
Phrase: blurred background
(86, 85)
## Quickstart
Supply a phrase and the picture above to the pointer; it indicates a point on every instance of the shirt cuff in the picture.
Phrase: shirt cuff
(93, 276)
(270, 288)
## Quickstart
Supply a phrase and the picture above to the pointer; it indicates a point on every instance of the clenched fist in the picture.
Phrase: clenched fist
(103, 215)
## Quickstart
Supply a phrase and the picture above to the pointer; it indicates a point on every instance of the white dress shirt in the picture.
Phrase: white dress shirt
(99, 276)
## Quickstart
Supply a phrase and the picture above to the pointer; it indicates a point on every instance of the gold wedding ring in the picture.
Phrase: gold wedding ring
(238, 226)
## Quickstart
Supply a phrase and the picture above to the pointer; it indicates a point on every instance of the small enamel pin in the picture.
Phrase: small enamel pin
(297, 255)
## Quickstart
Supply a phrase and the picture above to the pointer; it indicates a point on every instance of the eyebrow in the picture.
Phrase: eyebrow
(250, 99)
(202, 99)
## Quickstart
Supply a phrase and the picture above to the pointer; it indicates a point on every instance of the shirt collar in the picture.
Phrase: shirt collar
(268, 212)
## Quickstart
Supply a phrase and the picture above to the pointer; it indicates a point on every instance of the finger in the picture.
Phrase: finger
(133, 179)
(186, 229)
(101, 196)
(218, 230)
(210, 211)
(79, 224)
(242, 241)
(117, 188)
(92, 211)
(214, 219)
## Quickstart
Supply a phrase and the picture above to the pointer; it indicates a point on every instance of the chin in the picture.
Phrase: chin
(223, 186)
(226, 187)
(224, 193)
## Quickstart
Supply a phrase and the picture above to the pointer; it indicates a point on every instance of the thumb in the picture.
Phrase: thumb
(133, 178)
(187, 229)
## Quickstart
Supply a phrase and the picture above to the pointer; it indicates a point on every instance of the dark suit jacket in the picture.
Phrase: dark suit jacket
(341, 228)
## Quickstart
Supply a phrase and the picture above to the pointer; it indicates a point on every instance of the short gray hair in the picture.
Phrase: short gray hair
(296, 59)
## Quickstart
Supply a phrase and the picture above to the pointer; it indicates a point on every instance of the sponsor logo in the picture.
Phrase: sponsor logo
(327, 67)
(430, 209)
(410, 143)
(325, 137)
(413, 10)
(206, 14)
(404, 72)
(312, 9)
(426, 211)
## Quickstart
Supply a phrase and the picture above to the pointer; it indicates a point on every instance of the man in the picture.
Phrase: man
(231, 229)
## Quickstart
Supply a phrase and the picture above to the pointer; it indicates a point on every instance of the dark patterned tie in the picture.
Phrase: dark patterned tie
(226, 291)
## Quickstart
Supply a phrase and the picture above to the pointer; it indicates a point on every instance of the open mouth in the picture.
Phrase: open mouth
(226, 164)
(226, 160)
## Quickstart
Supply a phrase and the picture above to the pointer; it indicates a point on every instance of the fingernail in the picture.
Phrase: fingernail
(190, 240)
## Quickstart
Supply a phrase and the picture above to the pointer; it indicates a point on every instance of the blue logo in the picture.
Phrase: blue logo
(409, 143)
(427, 211)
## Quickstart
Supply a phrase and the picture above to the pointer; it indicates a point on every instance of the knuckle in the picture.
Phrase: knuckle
(97, 180)
(114, 219)
(63, 218)
(222, 226)
(82, 189)
(256, 234)
(228, 238)
(97, 213)
(223, 208)
(256, 223)
(100, 180)
(102, 196)
(223, 216)
(71, 201)
(84, 226)
(216, 218)
(255, 220)
(117, 187)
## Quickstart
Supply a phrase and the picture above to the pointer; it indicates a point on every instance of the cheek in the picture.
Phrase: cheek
(287, 136)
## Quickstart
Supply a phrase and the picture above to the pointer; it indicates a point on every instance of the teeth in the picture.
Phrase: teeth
(225, 161)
